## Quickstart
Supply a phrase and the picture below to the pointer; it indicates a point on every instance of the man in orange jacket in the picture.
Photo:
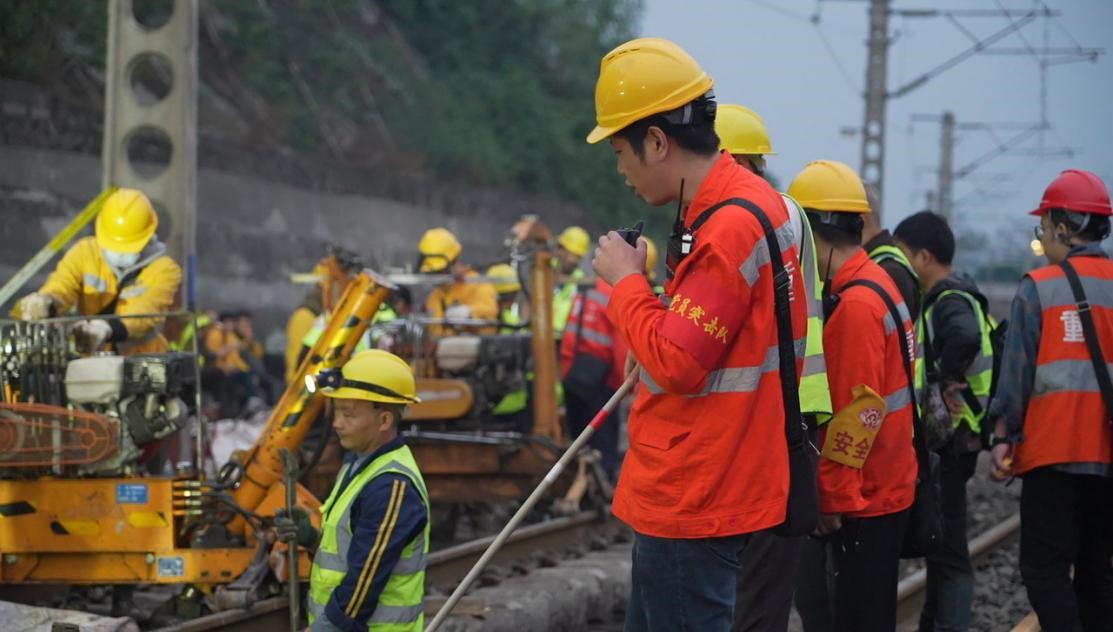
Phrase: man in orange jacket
(1051, 417)
(708, 461)
(867, 467)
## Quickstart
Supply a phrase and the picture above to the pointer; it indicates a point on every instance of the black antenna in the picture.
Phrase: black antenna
(678, 225)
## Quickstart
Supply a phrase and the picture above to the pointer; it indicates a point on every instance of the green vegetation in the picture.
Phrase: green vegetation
(488, 92)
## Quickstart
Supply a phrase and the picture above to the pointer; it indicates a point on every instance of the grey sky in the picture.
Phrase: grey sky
(766, 54)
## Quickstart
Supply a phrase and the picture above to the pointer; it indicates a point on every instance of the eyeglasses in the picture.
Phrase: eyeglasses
(1038, 231)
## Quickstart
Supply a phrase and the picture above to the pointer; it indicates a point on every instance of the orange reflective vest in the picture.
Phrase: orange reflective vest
(1066, 420)
(589, 330)
(862, 345)
(707, 453)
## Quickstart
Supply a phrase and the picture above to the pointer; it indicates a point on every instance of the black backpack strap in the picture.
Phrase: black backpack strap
(1090, 333)
(782, 287)
(894, 313)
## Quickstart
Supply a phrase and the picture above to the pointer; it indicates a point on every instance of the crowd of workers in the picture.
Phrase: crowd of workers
(812, 392)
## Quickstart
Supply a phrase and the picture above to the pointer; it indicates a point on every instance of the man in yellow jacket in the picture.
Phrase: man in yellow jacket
(459, 299)
(121, 271)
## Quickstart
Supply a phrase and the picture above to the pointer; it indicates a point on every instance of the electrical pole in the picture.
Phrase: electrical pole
(150, 117)
(945, 196)
(873, 125)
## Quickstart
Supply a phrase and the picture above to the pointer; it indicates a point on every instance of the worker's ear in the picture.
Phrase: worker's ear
(386, 419)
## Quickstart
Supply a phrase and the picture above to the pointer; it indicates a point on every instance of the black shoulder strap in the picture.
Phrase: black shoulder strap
(894, 313)
(1090, 332)
(709, 211)
(782, 285)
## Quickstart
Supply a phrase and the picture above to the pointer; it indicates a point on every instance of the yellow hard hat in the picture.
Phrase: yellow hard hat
(438, 248)
(374, 375)
(504, 278)
(829, 185)
(126, 222)
(741, 131)
(575, 240)
(643, 77)
(650, 258)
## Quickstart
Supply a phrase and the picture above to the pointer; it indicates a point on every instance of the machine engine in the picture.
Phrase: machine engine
(493, 366)
(117, 407)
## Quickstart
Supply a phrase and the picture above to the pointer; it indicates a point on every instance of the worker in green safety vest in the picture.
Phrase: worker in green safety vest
(765, 591)
(505, 280)
(572, 245)
(954, 334)
(880, 246)
(369, 568)
(384, 314)
(185, 341)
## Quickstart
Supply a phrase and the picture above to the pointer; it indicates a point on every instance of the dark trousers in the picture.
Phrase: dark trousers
(683, 585)
(867, 559)
(1067, 519)
(580, 408)
(950, 577)
(815, 585)
(766, 582)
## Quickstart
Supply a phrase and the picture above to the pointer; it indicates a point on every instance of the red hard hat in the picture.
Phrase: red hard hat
(1076, 190)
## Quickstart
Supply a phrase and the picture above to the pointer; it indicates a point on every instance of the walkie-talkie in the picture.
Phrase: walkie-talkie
(630, 235)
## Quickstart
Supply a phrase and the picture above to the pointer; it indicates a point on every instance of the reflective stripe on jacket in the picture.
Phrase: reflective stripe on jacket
(815, 394)
(979, 374)
(863, 346)
(707, 452)
(888, 253)
(563, 297)
(400, 604)
(83, 280)
(590, 331)
(1066, 420)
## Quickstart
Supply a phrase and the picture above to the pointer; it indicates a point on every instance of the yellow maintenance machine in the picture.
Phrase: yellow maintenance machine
(83, 501)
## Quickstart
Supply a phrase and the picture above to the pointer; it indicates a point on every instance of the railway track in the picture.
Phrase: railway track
(446, 567)
(910, 591)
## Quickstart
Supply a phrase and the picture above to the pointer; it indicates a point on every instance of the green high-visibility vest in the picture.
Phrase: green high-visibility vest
(979, 375)
(881, 254)
(815, 392)
(400, 607)
(185, 341)
(562, 302)
(518, 400)
(318, 328)
(385, 314)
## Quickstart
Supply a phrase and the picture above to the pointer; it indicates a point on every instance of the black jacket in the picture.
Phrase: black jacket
(956, 332)
(907, 284)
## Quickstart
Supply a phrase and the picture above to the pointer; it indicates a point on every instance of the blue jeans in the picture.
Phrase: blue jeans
(679, 585)
(950, 576)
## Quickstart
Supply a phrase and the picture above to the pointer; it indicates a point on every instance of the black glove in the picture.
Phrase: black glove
(295, 528)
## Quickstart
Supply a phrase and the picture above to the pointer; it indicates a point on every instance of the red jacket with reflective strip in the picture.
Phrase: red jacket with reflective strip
(591, 332)
(1066, 420)
(707, 453)
(863, 346)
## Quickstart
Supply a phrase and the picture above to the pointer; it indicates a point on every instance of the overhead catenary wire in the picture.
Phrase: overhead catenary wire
(815, 20)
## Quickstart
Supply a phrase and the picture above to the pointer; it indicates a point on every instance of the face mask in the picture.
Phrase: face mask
(120, 260)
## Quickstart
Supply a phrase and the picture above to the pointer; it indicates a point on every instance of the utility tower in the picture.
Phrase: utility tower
(877, 93)
(944, 197)
(873, 125)
(150, 120)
